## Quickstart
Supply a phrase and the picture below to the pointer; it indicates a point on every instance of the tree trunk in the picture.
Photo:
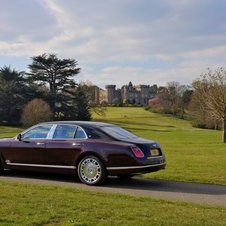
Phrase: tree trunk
(224, 131)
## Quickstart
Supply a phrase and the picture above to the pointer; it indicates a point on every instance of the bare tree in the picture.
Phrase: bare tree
(36, 111)
(172, 99)
(211, 92)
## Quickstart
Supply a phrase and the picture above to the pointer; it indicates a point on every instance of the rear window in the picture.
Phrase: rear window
(118, 132)
(96, 134)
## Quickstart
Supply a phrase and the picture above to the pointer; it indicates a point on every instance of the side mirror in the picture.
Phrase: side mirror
(19, 137)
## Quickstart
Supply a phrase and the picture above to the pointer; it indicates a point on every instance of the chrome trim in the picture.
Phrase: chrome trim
(40, 165)
(51, 132)
(76, 145)
(155, 157)
(40, 143)
(133, 167)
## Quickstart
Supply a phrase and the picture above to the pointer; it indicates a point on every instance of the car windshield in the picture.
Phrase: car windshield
(118, 132)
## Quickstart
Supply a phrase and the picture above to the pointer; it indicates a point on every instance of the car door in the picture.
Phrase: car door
(65, 145)
(29, 150)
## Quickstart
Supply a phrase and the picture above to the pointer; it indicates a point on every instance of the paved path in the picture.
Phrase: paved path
(168, 190)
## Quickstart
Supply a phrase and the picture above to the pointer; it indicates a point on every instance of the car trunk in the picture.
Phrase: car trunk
(148, 147)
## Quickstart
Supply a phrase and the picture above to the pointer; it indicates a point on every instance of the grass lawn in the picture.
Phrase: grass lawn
(28, 204)
(194, 155)
(6, 131)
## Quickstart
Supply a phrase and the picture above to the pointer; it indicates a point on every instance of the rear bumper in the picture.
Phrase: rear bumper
(136, 169)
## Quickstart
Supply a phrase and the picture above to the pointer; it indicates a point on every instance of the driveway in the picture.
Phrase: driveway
(167, 190)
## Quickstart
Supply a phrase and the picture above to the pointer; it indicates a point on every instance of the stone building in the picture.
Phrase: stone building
(138, 95)
(103, 96)
(95, 94)
(110, 93)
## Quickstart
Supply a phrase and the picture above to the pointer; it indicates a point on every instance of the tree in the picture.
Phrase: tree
(210, 90)
(93, 95)
(14, 92)
(81, 105)
(57, 74)
(199, 115)
(36, 111)
(172, 99)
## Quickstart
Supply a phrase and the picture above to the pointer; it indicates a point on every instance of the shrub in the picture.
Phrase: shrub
(36, 111)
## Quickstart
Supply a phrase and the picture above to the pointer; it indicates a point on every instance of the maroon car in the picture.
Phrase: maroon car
(93, 150)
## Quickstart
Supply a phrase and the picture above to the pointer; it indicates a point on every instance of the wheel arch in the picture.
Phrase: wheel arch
(83, 154)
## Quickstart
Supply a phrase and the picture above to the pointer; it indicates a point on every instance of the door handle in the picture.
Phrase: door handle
(76, 145)
(40, 143)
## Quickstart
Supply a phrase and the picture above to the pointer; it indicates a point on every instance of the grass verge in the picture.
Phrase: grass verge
(27, 204)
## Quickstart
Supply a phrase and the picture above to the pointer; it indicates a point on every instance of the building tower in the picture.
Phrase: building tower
(110, 93)
(145, 94)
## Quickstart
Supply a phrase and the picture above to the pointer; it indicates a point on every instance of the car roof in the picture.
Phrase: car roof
(81, 123)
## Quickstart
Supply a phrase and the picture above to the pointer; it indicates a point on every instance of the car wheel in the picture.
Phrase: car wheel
(91, 170)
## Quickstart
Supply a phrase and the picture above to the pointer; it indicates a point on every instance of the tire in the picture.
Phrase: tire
(91, 170)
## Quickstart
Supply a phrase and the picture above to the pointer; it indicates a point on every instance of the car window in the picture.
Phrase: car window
(96, 134)
(37, 132)
(118, 133)
(65, 132)
(80, 134)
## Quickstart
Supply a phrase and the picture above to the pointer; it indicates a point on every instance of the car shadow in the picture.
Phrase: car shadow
(139, 183)
(135, 183)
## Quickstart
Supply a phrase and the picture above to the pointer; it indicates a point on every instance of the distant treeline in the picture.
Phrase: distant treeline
(204, 102)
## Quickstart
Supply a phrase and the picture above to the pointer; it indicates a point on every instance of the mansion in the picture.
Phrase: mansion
(138, 95)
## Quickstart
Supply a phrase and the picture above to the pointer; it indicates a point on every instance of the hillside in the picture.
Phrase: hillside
(192, 154)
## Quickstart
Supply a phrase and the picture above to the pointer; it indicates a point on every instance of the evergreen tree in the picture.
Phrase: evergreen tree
(14, 93)
(56, 74)
(81, 105)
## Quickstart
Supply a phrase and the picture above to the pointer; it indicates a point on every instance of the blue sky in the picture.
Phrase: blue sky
(117, 41)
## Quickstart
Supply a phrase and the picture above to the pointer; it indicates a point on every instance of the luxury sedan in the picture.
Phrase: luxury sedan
(92, 150)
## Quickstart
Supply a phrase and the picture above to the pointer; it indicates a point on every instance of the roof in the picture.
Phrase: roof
(81, 123)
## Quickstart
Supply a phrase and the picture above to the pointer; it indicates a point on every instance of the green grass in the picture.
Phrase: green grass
(32, 205)
(194, 155)
(6, 131)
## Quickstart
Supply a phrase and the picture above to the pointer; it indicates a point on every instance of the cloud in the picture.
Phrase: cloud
(114, 41)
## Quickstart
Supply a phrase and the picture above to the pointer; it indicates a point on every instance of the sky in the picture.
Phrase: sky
(117, 41)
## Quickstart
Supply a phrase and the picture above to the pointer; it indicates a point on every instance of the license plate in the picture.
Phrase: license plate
(154, 152)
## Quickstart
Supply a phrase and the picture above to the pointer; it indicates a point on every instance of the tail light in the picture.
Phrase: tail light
(137, 152)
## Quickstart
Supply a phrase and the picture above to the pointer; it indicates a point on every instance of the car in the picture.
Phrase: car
(92, 150)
